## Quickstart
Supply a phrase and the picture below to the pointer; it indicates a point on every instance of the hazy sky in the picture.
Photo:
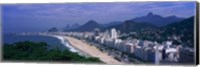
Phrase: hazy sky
(40, 17)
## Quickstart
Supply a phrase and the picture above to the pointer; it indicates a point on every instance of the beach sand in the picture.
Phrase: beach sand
(91, 50)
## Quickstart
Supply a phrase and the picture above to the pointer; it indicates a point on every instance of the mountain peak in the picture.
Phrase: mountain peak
(150, 13)
(157, 19)
(89, 26)
(173, 16)
(91, 21)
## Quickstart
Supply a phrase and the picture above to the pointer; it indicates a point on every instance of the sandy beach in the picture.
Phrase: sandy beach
(91, 50)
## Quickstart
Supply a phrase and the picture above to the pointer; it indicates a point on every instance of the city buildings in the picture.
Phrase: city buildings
(145, 50)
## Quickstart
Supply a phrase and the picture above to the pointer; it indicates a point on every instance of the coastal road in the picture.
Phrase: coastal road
(91, 50)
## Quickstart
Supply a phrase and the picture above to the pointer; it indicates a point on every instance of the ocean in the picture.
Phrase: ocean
(53, 42)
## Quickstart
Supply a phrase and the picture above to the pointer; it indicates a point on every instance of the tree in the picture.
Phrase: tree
(31, 51)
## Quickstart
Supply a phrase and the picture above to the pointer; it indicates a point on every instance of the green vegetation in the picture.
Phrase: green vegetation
(179, 32)
(30, 51)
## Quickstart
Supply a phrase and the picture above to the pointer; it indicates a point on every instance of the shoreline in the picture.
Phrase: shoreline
(80, 51)
(84, 49)
(91, 50)
(67, 44)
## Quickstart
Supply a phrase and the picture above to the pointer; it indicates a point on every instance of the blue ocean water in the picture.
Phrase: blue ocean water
(51, 41)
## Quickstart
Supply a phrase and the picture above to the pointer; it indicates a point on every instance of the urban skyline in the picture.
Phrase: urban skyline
(111, 33)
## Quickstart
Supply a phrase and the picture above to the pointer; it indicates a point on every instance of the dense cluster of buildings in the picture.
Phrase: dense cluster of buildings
(143, 49)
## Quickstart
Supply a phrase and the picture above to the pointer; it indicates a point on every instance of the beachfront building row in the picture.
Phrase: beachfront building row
(143, 49)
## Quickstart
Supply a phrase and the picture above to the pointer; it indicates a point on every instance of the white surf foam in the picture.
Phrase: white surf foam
(66, 44)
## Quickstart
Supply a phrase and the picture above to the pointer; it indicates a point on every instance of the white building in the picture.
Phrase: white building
(168, 43)
(173, 54)
(114, 33)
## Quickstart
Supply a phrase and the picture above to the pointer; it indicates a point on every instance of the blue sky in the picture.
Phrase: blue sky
(40, 17)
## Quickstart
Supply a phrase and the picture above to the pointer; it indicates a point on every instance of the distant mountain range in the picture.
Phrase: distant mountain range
(54, 29)
(92, 23)
(111, 24)
(157, 19)
(129, 25)
(179, 32)
(68, 27)
(125, 26)
(151, 20)
(88, 27)
(174, 28)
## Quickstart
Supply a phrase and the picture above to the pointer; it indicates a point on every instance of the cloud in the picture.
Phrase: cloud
(103, 9)
(69, 13)
(44, 16)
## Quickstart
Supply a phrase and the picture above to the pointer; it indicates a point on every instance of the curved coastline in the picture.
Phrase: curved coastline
(80, 51)
(86, 50)
(92, 50)
(67, 44)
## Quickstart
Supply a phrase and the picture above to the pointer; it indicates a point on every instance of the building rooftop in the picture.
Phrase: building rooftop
(171, 50)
